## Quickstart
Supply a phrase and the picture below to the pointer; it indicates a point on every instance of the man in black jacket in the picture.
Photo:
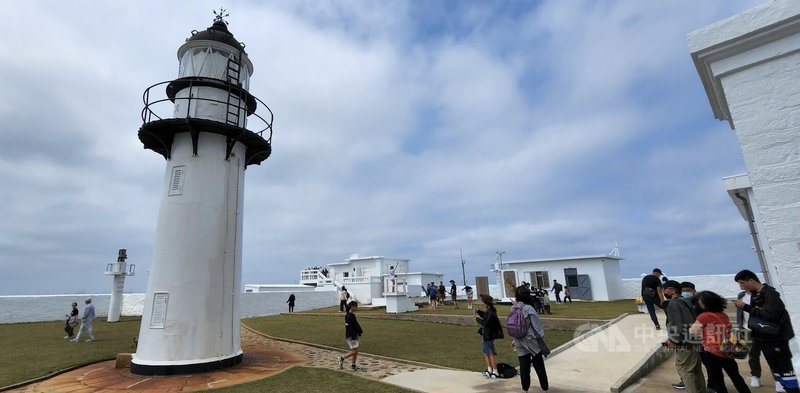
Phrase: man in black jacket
(766, 307)
(653, 294)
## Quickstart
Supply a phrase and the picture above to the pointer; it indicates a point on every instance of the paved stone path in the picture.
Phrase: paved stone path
(264, 357)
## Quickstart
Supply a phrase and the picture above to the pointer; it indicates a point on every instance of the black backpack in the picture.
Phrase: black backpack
(506, 370)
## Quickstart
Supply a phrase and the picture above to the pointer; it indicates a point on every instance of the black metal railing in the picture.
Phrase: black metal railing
(160, 107)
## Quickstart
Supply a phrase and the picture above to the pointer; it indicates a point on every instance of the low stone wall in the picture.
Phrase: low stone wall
(548, 323)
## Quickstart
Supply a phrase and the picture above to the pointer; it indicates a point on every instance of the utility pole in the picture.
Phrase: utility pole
(463, 273)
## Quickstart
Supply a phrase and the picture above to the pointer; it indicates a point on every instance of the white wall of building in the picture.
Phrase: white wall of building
(19, 309)
(749, 68)
(722, 284)
(604, 274)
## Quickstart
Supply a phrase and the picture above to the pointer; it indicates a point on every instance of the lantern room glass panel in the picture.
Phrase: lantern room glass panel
(212, 62)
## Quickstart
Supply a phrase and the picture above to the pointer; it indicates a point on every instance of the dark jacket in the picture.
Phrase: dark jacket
(490, 325)
(767, 305)
(351, 327)
(680, 316)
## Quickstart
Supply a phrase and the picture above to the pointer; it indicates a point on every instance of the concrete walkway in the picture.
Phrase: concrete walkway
(594, 364)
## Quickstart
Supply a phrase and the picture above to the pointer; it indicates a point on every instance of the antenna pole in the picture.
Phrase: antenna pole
(463, 273)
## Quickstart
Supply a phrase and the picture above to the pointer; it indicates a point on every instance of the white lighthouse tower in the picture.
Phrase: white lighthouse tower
(199, 123)
(119, 271)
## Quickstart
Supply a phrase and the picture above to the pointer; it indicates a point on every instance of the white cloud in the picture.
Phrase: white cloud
(545, 131)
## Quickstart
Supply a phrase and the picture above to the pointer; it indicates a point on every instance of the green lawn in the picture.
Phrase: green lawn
(443, 344)
(32, 350)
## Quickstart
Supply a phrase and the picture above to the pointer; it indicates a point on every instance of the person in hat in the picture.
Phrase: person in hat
(653, 294)
(453, 294)
(680, 317)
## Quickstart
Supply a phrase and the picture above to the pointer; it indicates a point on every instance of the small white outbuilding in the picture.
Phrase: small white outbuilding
(594, 277)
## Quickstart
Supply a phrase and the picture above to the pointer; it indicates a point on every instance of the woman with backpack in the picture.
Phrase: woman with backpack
(715, 326)
(490, 330)
(529, 351)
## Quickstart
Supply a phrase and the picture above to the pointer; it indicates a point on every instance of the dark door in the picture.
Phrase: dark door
(510, 282)
(584, 288)
(481, 285)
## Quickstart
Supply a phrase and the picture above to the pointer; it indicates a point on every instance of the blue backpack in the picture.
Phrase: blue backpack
(516, 324)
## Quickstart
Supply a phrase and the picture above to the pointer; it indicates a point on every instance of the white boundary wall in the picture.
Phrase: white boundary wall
(41, 308)
(722, 284)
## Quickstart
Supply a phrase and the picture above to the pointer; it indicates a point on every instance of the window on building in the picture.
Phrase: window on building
(571, 274)
(540, 279)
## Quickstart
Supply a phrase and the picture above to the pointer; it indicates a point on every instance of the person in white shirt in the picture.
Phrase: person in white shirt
(86, 322)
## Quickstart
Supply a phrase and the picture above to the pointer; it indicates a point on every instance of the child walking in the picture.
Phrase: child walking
(352, 331)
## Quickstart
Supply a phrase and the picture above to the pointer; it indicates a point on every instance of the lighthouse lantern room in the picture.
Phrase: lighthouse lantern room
(209, 128)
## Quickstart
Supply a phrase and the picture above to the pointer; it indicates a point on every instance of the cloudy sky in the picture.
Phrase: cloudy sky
(410, 129)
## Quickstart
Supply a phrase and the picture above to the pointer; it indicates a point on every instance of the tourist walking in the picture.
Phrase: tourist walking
(528, 350)
(352, 334)
(754, 355)
(653, 294)
(557, 288)
(86, 322)
(343, 297)
(567, 295)
(771, 327)
(291, 302)
(72, 321)
(490, 330)
(680, 317)
(714, 326)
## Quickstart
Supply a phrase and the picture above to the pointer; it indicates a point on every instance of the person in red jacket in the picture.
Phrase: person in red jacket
(713, 324)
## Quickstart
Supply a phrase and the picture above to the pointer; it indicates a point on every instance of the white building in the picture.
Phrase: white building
(594, 277)
(748, 65)
(366, 279)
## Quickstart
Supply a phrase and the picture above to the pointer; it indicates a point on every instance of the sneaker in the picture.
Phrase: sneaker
(486, 373)
(74, 340)
(680, 385)
(88, 340)
(755, 382)
(658, 327)
(341, 362)
(66, 336)
(353, 367)
(493, 376)
(779, 388)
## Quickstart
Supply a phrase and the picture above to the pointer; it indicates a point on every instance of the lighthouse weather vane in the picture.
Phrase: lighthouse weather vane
(222, 14)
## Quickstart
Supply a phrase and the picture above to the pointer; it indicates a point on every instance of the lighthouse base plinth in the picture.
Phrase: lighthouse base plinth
(177, 369)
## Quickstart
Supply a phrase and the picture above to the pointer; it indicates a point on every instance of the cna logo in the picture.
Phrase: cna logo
(594, 337)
